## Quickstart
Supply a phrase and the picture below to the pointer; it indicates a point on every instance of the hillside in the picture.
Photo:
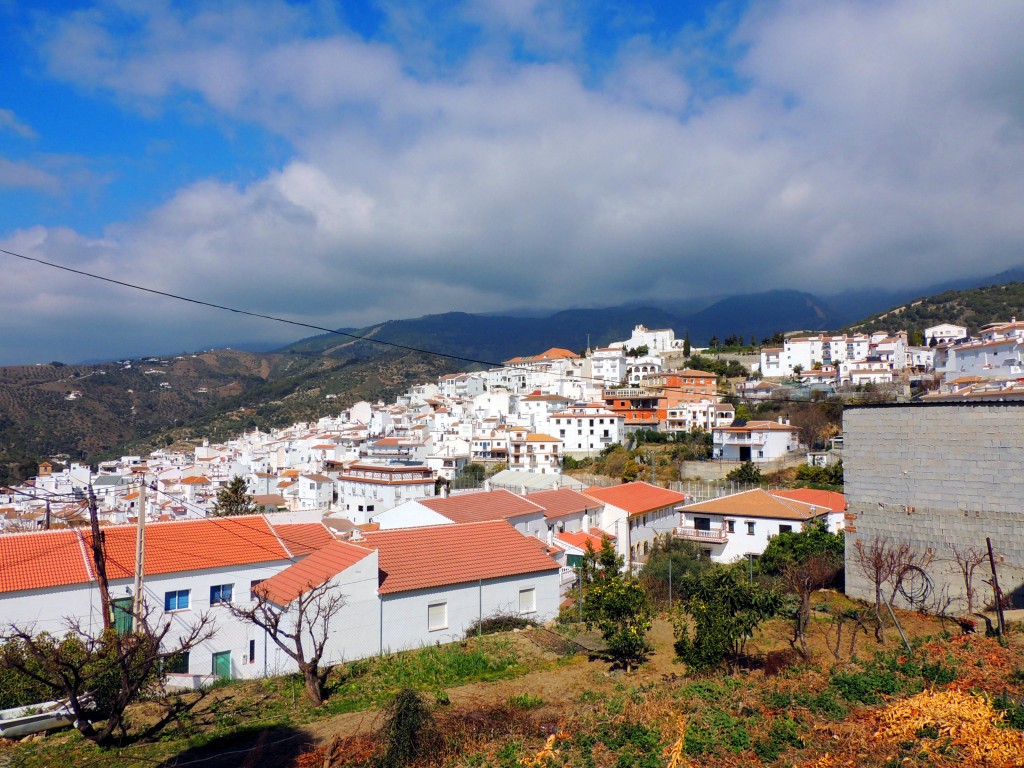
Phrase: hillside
(138, 405)
(973, 308)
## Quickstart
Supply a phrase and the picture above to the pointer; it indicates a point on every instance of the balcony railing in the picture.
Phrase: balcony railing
(712, 536)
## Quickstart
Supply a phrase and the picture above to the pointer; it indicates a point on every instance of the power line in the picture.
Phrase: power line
(320, 328)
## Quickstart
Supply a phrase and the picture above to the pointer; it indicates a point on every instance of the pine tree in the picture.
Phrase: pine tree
(234, 499)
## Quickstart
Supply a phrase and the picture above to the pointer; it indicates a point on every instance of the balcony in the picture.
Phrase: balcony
(712, 536)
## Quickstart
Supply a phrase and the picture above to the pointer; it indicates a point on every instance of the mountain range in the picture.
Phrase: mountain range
(91, 411)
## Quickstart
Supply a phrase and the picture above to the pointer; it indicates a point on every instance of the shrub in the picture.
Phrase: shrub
(409, 732)
(499, 622)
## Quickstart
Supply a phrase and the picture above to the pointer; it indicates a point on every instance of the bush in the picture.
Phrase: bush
(499, 622)
(409, 732)
(747, 472)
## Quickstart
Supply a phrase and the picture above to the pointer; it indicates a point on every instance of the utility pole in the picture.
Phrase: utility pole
(47, 525)
(140, 550)
(99, 560)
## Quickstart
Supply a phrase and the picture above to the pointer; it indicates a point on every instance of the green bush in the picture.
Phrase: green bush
(784, 733)
(866, 687)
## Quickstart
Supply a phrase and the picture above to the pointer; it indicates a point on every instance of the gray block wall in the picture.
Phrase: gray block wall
(928, 475)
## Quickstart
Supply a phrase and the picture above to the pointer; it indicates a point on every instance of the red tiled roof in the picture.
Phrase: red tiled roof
(636, 498)
(43, 559)
(417, 558)
(195, 480)
(759, 503)
(284, 587)
(304, 538)
(829, 499)
(580, 539)
(563, 501)
(485, 505)
(192, 545)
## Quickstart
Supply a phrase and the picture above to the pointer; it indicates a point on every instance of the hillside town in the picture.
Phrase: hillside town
(375, 490)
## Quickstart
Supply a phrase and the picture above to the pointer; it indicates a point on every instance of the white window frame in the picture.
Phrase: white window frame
(528, 600)
(437, 616)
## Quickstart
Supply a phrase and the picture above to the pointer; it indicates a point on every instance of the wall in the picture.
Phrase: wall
(930, 475)
(404, 614)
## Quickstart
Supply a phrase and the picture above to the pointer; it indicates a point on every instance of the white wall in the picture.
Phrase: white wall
(404, 614)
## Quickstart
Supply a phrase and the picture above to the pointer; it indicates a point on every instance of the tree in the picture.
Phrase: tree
(967, 559)
(300, 629)
(234, 499)
(622, 610)
(598, 566)
(884, 562)
(720, 613)
(747, 472)
(672, 557)
(803, 578)
(686, 345)
(100, 676)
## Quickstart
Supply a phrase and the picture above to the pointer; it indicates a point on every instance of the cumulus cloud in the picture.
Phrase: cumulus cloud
(848, 145)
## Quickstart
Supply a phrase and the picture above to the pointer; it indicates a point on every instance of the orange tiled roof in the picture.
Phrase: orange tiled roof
(304, 538)
(42, 559)
(829, 499)
(284, 587)
(580, 539)
(485, 505)
(195, 480)
(636, 498)
(417, 558)
(758, 503)
(563, 501)
(192, 545)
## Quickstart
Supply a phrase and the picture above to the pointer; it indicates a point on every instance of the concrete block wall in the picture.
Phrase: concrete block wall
(930, 475)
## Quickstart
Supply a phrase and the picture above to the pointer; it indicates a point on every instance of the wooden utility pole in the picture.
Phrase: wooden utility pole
(140, 551)
(47, 525)
(99, 559)
(1000, 626)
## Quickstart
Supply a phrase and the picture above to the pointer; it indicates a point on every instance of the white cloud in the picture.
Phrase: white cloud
(860, 144)
(9, 121)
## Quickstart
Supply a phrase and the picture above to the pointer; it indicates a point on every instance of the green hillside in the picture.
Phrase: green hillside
(973, 308)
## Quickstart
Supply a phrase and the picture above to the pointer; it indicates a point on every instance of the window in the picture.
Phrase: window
(702, 523)
(730, 526)
(221, 594)
(437, 616)
(750, 529)
(252, 651)
(785, 529)
(252, 586)
(528, 600)
(176, 601)
(177, 664)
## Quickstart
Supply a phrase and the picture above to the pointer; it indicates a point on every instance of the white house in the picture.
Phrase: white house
(369, 487)
(732, 527)
(944, 333)
(656, 340)
(585, 429)
(608, 365)
(755, 441)
(636, 514)
(534, 452)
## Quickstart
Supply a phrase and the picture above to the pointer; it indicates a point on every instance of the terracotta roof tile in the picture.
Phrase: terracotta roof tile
(563, 501)
(580, 539)
(485, 505)
(304, 538)
(828, 499)
(758, 503)
(636, 498)
(284, 587)
(42, 559)
(192, 545)
(417, 558)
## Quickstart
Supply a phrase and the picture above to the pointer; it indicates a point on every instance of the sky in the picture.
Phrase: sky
(343, 163)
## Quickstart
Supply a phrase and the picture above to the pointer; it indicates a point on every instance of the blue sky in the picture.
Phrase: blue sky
(345, 163)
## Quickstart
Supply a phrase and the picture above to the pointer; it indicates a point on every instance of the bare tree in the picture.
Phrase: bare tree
(803, 578)
(884, 562)
(100, 676)
(300, 629)
(967, 559)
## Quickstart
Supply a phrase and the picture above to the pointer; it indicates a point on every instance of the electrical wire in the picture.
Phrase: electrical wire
(333, 331)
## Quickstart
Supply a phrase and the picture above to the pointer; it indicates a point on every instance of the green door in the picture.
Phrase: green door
(222, 665)
(122, 608)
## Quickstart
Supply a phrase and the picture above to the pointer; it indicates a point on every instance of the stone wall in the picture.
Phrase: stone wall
(931, 475)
